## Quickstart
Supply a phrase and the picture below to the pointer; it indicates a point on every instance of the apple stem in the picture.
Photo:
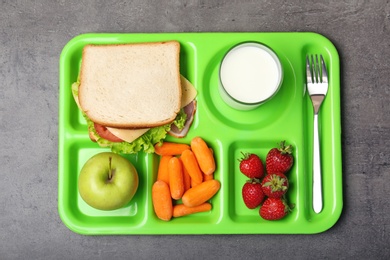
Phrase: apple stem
(109, 168)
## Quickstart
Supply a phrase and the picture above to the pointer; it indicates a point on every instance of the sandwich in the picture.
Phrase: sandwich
(133, 95)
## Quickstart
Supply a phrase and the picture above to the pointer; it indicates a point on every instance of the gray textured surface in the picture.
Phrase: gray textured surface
(32, 35)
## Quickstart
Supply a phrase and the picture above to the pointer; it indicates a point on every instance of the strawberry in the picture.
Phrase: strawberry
(251, 166)
(279, 159)
(252, 194)
(275, 185)
(274, 209)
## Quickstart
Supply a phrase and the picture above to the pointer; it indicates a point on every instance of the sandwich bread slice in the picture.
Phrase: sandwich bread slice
(131, 85)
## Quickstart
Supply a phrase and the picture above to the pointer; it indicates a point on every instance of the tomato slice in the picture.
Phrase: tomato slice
(104, 133)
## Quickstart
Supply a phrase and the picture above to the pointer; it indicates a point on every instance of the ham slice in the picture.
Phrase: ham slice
(190, 110)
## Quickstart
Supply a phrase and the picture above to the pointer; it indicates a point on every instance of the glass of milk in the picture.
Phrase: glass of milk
(250, 74)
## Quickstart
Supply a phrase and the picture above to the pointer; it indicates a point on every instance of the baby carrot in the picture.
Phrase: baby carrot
(196, 182)
(189, 162)
(163, 173)
(200, 193)
(176, 180)
(203, 155)
(180, 210)
(186, 178)
(162, 201)
(169, 148)
(207, 177)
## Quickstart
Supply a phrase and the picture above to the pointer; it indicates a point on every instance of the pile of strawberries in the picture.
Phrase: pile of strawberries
(267, 189)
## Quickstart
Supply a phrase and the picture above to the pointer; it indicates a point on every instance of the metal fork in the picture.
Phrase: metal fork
(317, 86)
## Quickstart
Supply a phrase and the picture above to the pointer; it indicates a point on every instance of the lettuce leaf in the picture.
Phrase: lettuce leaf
(143, 143)
(180, 119)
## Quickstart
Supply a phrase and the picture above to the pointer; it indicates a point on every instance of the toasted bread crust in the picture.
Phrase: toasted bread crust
(143, 98)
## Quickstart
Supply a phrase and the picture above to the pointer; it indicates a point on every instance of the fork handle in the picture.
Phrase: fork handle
(317, 186)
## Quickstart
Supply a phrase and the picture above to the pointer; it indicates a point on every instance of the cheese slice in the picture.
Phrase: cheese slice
(129, 135)
(188, 91)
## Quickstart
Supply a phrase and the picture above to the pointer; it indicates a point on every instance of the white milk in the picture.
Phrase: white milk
(250, 74)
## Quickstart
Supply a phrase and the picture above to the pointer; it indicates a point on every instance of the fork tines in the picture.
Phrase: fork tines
(315, 72)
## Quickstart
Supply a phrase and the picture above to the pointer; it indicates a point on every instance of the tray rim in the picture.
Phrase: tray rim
(87, 36)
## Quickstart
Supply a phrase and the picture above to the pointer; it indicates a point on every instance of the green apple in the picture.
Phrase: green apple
(108, 181)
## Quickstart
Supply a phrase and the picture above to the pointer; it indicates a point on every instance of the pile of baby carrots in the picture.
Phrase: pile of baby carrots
(185, 179)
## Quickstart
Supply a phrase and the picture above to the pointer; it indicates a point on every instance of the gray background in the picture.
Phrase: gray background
(32, 35)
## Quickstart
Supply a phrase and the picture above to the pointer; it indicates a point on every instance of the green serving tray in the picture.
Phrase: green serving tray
(287, 116)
